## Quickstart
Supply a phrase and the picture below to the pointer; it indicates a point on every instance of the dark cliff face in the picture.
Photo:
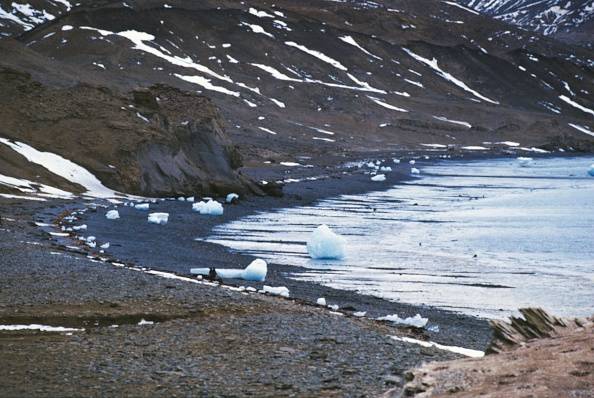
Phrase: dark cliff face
(157, 141)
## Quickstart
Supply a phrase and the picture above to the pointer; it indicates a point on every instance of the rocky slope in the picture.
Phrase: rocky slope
(297, 81)
(572, 21)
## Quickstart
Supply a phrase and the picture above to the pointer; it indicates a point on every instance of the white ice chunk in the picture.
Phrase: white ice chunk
(325, 244)
(414, 170)
(396, 161)
(591, 170)
(416, 321)
(256, 272)
(276, 291)
(112, 215)
(212, 208)
(412, 161)
(360, 314)
(158, 218)
(385, 168)
(105, 245)
(142, 206)
(231, 197)
(321, 301)
(379, 178)
(41, 328)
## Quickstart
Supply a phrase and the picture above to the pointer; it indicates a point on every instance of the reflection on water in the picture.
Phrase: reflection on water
(483, 237)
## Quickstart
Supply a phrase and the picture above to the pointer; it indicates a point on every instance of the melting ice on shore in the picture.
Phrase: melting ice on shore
(416, 321)
(255, 272)
(325, 244)
(379, 177)
(158, 218)
(142, 206)
(321, 301)
(212, 208)
(525, 162)
(112, 215)
(275, 291)
(231, 197)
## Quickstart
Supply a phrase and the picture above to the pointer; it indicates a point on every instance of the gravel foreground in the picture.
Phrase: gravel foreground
(205, 340)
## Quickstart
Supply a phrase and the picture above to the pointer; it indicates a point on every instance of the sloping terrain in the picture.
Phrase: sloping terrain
(572, 21)
(303, 80)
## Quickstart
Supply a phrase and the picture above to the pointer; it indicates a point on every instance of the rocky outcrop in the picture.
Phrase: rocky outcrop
(539, 355)
(157, 141)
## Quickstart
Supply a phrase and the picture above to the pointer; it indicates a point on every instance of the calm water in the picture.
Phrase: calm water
(531, 229)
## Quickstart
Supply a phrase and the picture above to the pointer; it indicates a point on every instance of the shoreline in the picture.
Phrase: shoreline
(141, 249)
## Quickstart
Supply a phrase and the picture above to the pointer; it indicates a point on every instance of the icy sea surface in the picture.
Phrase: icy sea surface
(482, 237)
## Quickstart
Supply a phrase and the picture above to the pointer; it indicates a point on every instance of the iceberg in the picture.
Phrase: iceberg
(158, 218)
(325, 244)
(416, 321)
(112, 215)
(211, 207)
(256, 271)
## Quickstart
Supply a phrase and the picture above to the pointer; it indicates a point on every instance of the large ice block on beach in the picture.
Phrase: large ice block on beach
(416, 321)
(256, 271)
(212, 208)
(112, 215)
(158, 218)
(325, 244)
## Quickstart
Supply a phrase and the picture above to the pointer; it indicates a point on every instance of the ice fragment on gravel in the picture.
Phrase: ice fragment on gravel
(158, 218)
(321, 301)
(211, 207)
(142, 206)
(255, 271)
(416, 321)
(325, 244)
(112, 215)
(276, 291)
(379, 177)
(231, 197)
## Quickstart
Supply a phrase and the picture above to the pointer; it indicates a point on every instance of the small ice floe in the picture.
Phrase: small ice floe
(275, 291)
(79, 227)
(142, 206)
(396, 161)
(385, 168)
(40, 328)
(145, 322)
(321, 301)
(158, 218)
(181, 199)
(379, 178)
(232, 197)
(591, 170)
(525, 162)
(212, 208)
(416, 321)
(105, 246)
(414, 170)
(190, 199)
(325, 244)
(256, 272)
(412, 161)
(112, 215)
